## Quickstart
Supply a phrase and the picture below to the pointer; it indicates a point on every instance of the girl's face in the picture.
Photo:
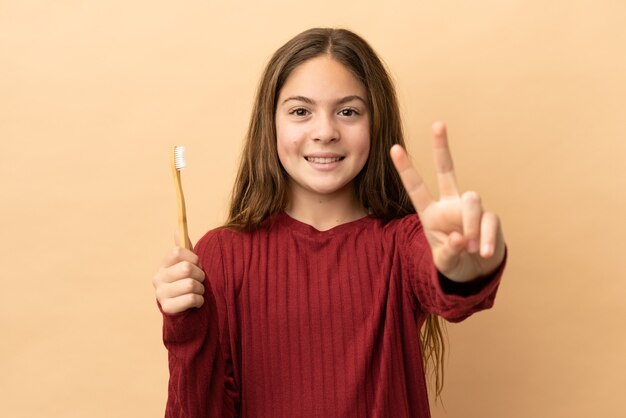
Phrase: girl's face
(322, 128)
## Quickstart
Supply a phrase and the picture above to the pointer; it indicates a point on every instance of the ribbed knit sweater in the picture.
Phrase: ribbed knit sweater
(301, 323)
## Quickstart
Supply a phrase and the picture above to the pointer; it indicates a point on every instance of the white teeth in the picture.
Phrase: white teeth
(323, 160)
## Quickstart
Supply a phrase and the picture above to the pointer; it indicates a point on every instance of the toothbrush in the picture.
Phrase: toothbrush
(178, 164)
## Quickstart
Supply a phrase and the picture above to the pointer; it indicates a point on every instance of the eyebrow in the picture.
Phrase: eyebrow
(338, 102)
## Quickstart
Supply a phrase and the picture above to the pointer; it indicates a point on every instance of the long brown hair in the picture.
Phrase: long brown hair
(260, 188)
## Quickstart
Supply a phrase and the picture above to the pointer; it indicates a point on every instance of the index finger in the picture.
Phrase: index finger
(412, 181)
(179, 254)
(179, 264)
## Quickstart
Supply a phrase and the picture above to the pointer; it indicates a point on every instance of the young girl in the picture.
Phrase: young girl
(310, 300)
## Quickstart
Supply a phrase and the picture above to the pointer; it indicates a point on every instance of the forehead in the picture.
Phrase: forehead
(322, 77)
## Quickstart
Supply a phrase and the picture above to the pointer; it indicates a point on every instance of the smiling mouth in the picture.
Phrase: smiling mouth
(323, 160)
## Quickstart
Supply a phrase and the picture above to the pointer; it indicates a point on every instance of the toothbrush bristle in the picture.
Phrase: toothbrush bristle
(179, 158)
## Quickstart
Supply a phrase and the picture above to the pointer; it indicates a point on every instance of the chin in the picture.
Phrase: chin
(329, 189)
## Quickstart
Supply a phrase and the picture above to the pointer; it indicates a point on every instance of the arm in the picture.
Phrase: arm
(458, 247)
(191, 333)
(436, 293)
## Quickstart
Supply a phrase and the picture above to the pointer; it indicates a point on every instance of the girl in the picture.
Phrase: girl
(309, 301)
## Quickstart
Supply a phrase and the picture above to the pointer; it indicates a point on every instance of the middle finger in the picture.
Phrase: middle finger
(446, 178)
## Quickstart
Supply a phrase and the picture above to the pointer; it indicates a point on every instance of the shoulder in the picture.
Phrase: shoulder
(215, 239)
(411, 220)
(226, 239)
(391, 232)
(404, 228)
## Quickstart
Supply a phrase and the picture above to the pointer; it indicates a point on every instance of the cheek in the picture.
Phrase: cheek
(288, 138)
(282, 151)
(285, 145)
(364, 151)
(365, 155)
(365, 144)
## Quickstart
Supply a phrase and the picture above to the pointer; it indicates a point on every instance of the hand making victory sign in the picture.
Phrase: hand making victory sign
(466, 241)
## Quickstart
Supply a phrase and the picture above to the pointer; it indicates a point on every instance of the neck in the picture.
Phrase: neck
(327, 211)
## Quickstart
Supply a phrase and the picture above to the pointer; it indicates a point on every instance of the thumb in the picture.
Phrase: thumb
(177, 241)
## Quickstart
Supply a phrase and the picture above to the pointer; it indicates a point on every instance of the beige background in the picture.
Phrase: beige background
(94, 93)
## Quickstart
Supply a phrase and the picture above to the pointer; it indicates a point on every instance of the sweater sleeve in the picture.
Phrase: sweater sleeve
(201, 382)
(435, 293)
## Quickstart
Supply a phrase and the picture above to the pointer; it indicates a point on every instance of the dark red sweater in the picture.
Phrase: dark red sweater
(304, 323)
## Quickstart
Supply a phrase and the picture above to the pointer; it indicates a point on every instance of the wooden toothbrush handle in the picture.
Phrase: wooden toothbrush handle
(185, 242)
(182, 215)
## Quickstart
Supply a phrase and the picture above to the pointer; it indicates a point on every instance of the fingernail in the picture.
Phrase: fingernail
(487, 250)
(472, 246)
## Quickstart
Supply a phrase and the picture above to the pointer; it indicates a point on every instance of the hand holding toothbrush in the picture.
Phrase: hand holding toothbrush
(178, 283)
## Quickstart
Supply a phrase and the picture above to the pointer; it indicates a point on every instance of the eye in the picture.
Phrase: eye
(299, 111)
(348, 112)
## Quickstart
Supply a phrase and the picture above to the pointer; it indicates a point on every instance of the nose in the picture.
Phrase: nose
(325, 129)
